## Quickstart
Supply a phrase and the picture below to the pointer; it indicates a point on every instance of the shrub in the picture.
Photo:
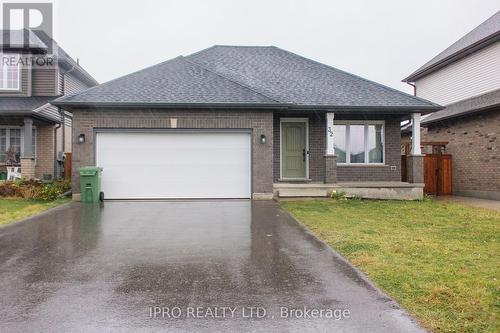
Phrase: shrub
(52, 190)
(338, 195)
(8, 189)
(34, 189)
(30, 192)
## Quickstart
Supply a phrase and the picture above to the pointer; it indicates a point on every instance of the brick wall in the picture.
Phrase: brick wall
(317, 147)
(261, 122)
(392, 158)
(44, 150)
(475, 149)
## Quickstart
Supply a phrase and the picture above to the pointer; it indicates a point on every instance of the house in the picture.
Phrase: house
(244, 122)
(465, 78)
(34, 71)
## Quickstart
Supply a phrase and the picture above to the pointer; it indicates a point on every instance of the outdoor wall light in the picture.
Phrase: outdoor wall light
(81, 138)
(263, 139)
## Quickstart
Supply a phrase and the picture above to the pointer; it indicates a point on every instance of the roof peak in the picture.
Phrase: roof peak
(481, 36)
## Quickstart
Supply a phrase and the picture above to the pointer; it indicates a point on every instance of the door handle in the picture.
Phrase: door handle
(303, 155)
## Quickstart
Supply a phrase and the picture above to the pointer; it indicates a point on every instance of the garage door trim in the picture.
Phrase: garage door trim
(97, 130)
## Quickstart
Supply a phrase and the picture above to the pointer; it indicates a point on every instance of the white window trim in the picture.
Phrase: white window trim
(291, 120)
(4, 78)
(8, 128)
(347, 144)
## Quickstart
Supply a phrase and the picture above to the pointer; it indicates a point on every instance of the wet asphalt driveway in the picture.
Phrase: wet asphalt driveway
(111, 268)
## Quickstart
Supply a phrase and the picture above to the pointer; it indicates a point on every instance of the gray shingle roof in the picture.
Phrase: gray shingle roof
(173, 81)
(486, 31)
(466, 107)
(241, 75)
(17, 104)
(36, 106)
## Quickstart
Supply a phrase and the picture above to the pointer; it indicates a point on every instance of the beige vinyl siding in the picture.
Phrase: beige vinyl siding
(44, 82)
(67, 137)
(473, 75)
(72, 84)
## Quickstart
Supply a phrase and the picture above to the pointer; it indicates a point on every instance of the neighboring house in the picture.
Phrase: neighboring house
(32, 130)
(244, 122)
(466, 78)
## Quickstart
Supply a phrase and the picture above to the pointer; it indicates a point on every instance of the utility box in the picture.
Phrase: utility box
(90, 184)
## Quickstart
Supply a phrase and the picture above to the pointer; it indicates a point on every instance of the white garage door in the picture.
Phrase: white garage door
(174, 164)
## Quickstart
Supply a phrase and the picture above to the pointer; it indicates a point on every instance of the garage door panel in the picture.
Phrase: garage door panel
(175, 165)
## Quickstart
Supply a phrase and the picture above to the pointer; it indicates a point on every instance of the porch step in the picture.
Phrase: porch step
(302, 192)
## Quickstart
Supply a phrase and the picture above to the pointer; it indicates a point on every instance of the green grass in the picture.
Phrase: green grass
(12, 210)
(438, 260)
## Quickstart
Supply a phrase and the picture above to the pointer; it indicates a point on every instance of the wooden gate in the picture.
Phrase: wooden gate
(68, 161)
(437, 174)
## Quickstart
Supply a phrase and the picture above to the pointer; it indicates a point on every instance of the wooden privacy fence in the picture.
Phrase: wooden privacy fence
(437, 168)
(68, 161)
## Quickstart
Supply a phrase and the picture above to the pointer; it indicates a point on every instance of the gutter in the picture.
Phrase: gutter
(243, 106)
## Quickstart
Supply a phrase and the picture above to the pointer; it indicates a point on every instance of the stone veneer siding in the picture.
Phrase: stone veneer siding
(260, 122)
(317, 148)
(475, 149)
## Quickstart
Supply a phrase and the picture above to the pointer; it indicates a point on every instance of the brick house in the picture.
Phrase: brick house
(466, 79)
(244, 122)
(34, 71)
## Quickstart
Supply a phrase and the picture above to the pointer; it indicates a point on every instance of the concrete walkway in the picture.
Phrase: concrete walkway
(473, 202)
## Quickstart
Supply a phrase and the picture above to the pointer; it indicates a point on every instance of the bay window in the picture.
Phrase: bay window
(10, 71)
(12, 138)
(359, 142)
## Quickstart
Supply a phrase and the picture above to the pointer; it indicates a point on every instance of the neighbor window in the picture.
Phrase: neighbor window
(359, 142)
(10, 71)
(12, 138)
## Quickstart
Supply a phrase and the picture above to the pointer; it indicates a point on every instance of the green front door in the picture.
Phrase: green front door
(293, 149)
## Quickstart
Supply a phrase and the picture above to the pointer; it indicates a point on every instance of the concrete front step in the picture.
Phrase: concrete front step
(302, 192)
(369, 190)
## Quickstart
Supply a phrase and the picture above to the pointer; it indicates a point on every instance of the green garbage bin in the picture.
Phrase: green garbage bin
(90, 184)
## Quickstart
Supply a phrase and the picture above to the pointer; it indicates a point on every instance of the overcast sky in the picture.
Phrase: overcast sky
(381, 40)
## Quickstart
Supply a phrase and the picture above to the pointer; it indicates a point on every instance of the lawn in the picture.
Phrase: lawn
(438, 260)
(12, 210)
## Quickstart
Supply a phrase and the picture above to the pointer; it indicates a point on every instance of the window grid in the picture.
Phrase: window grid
(366, 143)
(9, 74)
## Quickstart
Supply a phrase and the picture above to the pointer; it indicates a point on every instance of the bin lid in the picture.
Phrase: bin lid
(89, 171)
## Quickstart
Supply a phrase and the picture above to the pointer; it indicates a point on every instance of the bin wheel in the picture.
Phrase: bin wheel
(101, 196)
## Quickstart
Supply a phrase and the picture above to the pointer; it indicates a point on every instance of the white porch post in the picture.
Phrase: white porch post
(330, 149)
(330, 158)
(415, 139)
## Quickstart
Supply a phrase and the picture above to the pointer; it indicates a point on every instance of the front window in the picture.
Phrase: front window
(359, 142)
(10, 72)
(11, 139)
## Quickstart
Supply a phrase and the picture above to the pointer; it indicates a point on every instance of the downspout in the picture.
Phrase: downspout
(414, 88)
(63, 120)
(55, 149)
(61, 111)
